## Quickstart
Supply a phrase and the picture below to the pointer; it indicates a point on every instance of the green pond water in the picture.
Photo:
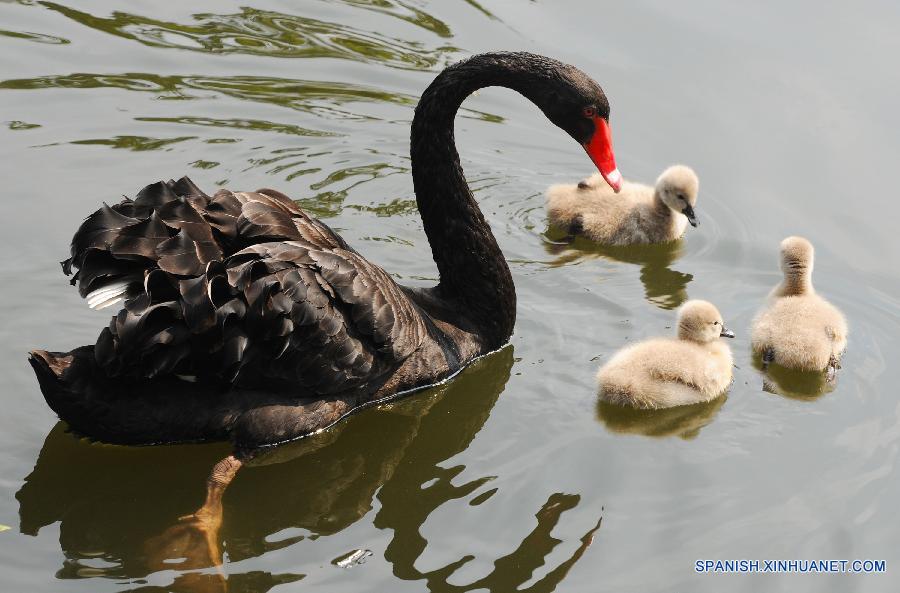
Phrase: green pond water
(511, 476)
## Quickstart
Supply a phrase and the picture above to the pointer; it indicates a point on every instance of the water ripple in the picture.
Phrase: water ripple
(313, 96)
(35, 37)
(275, 34)
(135, 143)
(405, 12)
(303, 95)
(240, 124)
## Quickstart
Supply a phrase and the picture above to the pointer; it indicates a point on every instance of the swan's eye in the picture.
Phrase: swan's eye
(715, 323)
(589, 111)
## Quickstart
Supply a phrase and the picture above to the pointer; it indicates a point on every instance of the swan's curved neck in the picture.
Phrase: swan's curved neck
(474, 276)
(796, 284)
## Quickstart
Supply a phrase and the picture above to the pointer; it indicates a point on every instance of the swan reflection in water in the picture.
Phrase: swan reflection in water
(664, 287)
(119, 523)
(680, 421)
(794, 384)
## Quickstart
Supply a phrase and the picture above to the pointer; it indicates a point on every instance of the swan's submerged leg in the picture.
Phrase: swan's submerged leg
(768, 357)
(831, 370)
(222, 474)
(576, 227)
(195, 537)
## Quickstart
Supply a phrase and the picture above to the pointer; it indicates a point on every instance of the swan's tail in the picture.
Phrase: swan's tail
(165, 410)
(64, 378)
(48, 366)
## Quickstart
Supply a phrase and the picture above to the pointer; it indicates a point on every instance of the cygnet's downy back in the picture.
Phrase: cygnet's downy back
(695, 367)
(798, 329)
(638, 214)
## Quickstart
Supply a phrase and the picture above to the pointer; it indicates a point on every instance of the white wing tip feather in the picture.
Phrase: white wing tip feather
(107, 295)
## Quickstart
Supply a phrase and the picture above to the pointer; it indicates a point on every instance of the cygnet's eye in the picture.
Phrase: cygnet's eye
(590, 111)
(682, 197)
(715, 323)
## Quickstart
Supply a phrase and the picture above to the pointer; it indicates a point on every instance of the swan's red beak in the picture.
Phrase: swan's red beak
(599, 148)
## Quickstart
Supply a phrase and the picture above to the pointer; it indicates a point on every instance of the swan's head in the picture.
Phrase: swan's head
(797, 257)
(700, 321)
(577, 104)
(677, 187)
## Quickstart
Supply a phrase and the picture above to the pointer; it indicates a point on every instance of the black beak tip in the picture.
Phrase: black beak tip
(691, 216)
(726, 333)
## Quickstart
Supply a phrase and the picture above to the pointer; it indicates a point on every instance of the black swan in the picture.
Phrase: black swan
(247, 320)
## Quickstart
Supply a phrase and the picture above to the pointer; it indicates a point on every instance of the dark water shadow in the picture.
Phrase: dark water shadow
(793, 384)
(681, 421)
(664, 287)
(111, 501)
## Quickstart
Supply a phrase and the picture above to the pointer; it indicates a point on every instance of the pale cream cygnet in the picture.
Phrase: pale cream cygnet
(798, 329)
(637, 214)
(691, 368)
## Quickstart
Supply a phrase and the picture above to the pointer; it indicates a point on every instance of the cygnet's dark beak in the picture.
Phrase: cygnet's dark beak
(692, 218)
(726, 333)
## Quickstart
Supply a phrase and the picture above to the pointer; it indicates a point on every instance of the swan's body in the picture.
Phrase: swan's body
(246, 319)
(692, 368)
(213, 337)
(798, 329)
(638, 214)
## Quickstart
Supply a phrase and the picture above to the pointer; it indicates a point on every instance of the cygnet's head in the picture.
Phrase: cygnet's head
(677, 187)
(797, 257)
(700, 321)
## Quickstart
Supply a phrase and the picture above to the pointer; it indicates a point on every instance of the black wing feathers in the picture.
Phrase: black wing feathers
(240, 287)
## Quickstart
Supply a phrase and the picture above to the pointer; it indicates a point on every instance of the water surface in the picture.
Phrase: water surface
(512, 476)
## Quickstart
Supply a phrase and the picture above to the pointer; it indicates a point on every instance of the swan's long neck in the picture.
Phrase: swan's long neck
(797, 276)
(474, 276)
(796, 283)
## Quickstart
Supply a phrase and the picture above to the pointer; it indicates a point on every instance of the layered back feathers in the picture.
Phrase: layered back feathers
(213, 284)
